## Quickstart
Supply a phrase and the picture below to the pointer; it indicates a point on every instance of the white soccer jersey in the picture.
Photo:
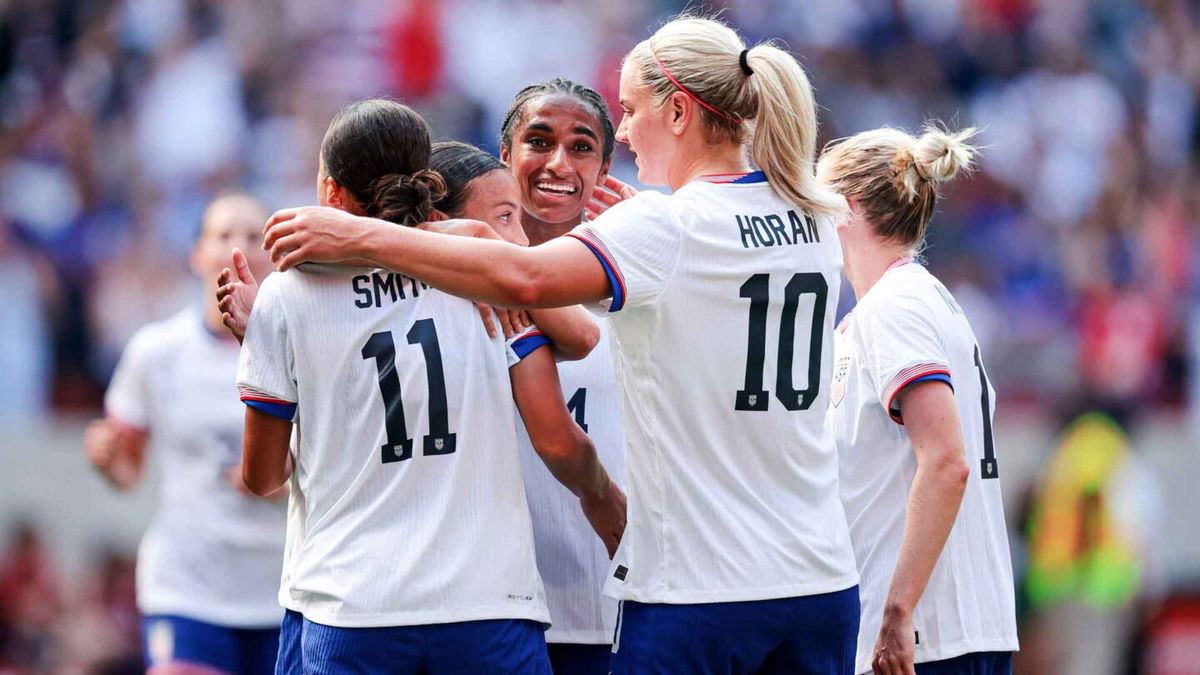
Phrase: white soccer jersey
(571, 558)
(407, 470)
(908, 327)
(723, 301)
(212, 553)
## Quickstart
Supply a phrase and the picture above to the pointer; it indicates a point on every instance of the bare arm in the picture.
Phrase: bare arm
(117, 450)
(931, 418)
(266, 459)
(558, 273)
(565, 449)
(571, 330)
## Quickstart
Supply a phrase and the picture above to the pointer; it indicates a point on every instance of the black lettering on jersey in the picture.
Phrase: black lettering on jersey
(776, 224)
(812, 227)
(797, 228)
(417, 286)
(388, 285)
(770, 230)
(747, 232)
(374, 289)
(360, 289)
(621, 572)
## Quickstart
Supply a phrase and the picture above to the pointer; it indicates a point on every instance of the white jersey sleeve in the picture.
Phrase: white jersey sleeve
(638, 243)
(266, 367)
(904, 347)
(128, 397)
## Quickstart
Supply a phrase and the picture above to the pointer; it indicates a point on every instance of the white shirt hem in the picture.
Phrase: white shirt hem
(423, 618)
(235, 618)
(697, 596)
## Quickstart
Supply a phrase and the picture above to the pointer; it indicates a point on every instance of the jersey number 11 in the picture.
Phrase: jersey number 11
(439, 440)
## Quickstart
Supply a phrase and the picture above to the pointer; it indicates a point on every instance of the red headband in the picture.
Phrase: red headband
(685, 90)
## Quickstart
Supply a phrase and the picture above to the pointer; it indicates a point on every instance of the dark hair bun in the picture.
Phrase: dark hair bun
(406, 200)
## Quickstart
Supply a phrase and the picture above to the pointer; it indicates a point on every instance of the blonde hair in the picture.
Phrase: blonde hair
(774, 104)
(895, 177)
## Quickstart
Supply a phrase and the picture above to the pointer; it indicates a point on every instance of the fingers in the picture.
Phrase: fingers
(283, 247)
(625, 190)
(525, 320)
(225, 294)
(507, 324)
(278, 231)
(485, 312)
(243, 267)
(280, 216)
(224, 277)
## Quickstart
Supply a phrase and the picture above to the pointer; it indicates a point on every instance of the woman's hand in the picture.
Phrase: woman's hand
(235, 296)
(512, 321)
(895, 645)
(606, 513)
(318, 234)
(607, 195)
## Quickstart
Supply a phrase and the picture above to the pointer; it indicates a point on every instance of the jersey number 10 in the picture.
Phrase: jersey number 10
(439, 440)
(757, 289)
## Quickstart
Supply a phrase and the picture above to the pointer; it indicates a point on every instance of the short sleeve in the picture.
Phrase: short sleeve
(902, 347)
(637, 242)
(266, 366)
(128, 398)
(521, 346)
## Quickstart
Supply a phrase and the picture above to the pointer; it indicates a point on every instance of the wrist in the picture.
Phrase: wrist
(895, 611)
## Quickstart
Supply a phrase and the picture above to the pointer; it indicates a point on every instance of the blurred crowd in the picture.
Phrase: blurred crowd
(1074, 249)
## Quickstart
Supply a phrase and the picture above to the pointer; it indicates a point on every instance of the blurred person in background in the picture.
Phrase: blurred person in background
(209, 566)
(917, 463)
(1095, 549)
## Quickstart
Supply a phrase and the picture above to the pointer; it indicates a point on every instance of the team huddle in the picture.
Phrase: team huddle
(510, 415)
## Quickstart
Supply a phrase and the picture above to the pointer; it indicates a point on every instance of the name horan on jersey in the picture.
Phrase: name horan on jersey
(770, 230)
(373, 288)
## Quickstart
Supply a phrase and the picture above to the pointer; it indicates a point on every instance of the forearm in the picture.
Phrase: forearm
(572, 330)
(933, 503)
(485, 270)
(266, 458)
(574, 463)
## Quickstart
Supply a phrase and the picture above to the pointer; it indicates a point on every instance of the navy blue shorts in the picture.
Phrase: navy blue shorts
(978, 663)
(572, 659)
(807, 635)
(290, 661)
(167, 638)
(498, 646)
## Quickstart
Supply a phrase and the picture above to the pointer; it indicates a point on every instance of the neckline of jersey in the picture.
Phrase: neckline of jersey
(742, 178)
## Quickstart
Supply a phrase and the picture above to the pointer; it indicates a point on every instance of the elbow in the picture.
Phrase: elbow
(954, 472)
(522, 291)
(580, 344)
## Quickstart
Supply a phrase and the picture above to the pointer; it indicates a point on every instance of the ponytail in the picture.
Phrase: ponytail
(785, 131)
(758, 96)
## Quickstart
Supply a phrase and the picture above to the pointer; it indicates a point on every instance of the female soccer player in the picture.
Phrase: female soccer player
(572, 562)
(209, 564)
(414, 553)
(737, 557)
(912, 415)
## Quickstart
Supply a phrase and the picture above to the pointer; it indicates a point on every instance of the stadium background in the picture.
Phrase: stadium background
(1073, 250)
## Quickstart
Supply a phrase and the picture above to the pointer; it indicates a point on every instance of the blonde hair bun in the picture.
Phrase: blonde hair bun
(940, 155)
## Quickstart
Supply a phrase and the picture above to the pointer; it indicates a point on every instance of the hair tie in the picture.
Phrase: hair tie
(742, 62)
(690, 95)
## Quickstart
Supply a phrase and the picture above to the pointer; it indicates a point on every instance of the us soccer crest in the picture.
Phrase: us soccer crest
(841, 370)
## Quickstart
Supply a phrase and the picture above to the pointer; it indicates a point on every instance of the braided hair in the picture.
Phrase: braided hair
(559, 85)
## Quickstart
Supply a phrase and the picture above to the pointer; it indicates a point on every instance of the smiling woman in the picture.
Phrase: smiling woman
(558, 139)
